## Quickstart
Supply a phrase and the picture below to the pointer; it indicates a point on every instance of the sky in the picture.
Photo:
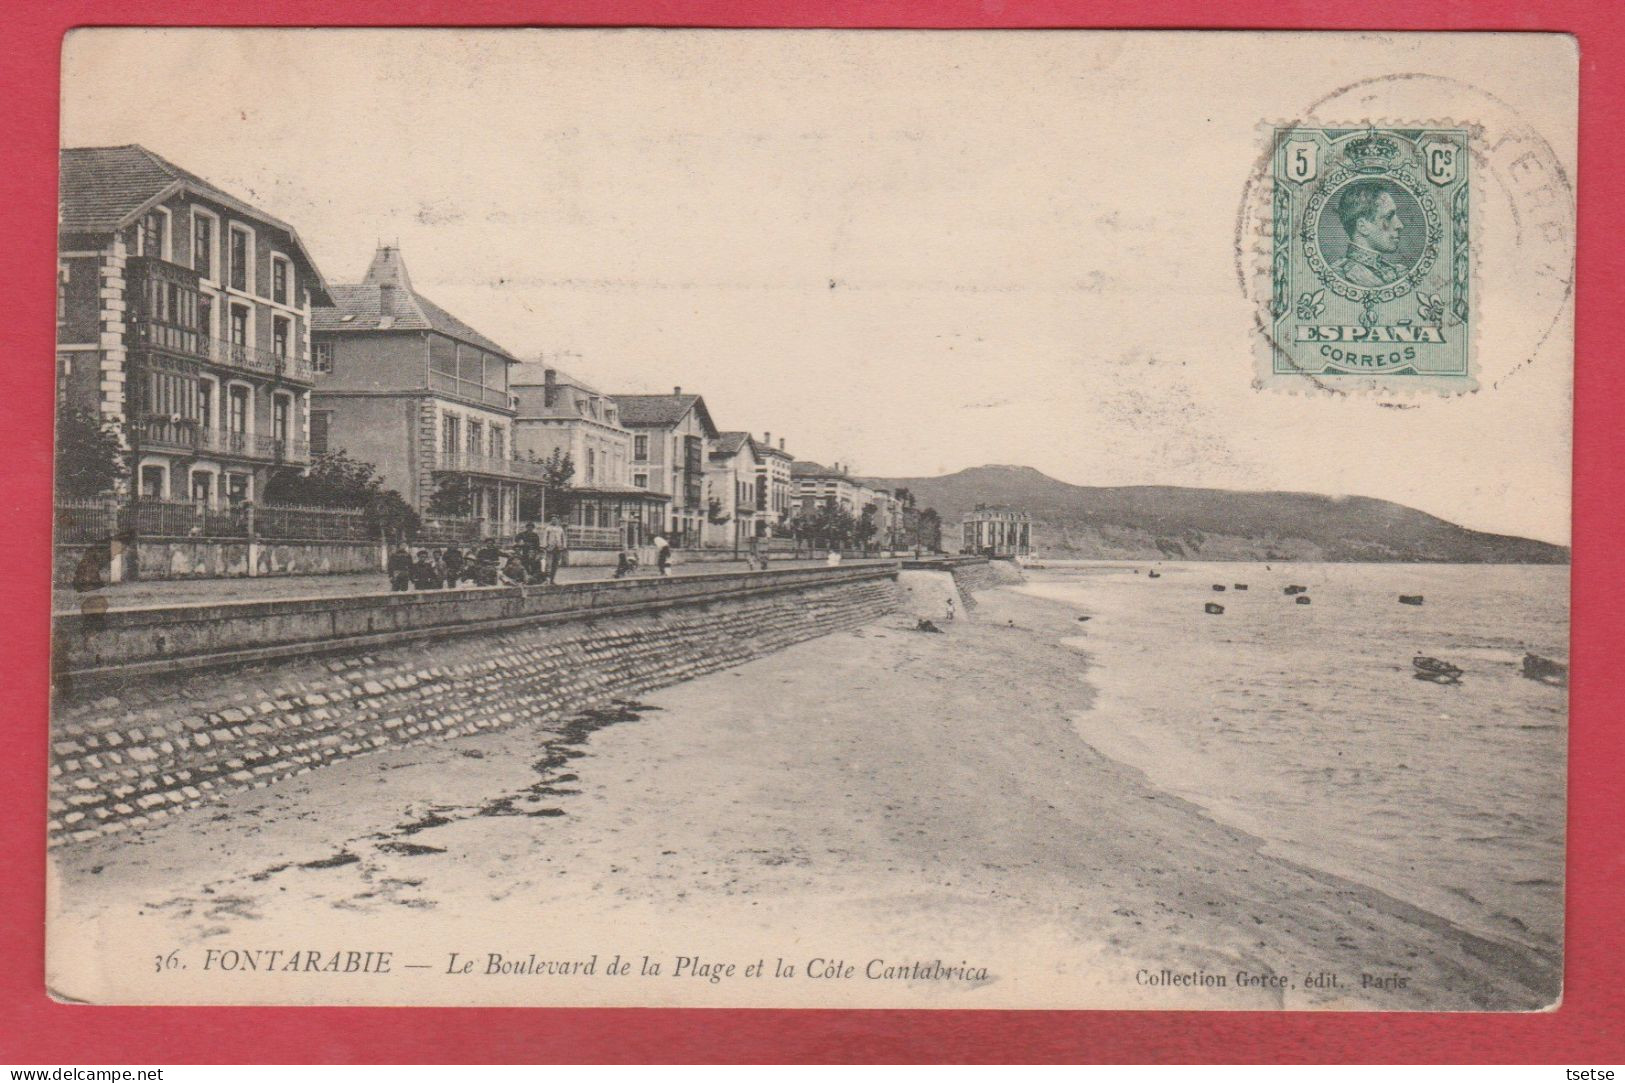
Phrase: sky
(910, 252)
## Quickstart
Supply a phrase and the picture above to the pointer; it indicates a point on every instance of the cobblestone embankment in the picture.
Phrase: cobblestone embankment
(126, 753)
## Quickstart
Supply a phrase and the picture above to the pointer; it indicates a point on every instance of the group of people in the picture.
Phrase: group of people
(534, 558)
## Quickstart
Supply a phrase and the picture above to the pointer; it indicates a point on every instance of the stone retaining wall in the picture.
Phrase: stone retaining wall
(979, 573)
(144, 747)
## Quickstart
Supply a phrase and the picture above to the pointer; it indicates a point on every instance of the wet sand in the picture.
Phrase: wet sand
(884, 794)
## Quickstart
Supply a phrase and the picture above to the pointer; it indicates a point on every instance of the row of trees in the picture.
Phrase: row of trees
(831, 526)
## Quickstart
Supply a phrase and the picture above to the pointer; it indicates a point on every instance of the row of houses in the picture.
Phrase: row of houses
(202, 324)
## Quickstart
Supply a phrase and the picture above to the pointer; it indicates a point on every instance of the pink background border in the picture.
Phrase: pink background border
(1590, 1026)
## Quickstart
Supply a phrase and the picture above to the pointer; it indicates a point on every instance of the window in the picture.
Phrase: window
(640, 450)
(279, 280)
(640, 480)
(205, 315)
(450, 434)
(322, 359)
(320, 423)
(154, 233)
(203, 488)
(281, 417)
(239, 329)
(236, 488)
(152, 481)
(62, 276)
(205, 404)
(237, 415)
(241, 253)
(499, 443)
(280, 329)
(203, 245)
(476, 437)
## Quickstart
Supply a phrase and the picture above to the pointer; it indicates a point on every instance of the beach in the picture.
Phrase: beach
(900, 818)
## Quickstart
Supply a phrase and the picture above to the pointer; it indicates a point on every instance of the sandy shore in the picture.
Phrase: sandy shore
(879, 795)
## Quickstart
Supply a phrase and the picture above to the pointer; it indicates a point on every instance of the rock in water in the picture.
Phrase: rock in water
(1303, 599)
(1239, 586)
(1436, 670)
(1218, 586)
(1410, 599)
(1214, 608)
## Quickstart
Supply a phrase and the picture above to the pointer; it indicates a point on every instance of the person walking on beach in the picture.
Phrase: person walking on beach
(662, 554)
(950, 607)
(554, 543)
(399, 569)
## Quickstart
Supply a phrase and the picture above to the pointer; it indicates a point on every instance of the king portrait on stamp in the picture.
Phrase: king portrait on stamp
(1370, 217)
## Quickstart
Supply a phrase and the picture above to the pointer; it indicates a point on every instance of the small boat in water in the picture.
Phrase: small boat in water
(1545, 671)
(1410, 599)
(1436, 670)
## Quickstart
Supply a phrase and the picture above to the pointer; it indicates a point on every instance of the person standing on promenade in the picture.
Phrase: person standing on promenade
(425, 576)
(554, 542)
(662, 554)
(453, 559)
(399, 569)
(488, 564)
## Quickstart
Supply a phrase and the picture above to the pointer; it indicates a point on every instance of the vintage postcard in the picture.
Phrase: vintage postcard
(812, 519)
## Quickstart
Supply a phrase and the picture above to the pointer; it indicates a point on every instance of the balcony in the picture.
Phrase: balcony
(188, 342)
(469, 391)
(468, 462)
(166, 434)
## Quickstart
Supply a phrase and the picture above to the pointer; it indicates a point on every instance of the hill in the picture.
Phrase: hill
(1171, 522)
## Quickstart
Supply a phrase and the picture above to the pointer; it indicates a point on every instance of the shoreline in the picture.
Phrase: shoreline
(834, 799)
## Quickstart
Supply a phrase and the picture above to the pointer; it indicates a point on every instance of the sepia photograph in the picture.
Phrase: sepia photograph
(834, 519)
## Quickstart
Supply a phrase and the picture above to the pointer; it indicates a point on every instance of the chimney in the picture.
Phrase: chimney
(677, 391)
(767, 438)
(550, 387)
(781, 443)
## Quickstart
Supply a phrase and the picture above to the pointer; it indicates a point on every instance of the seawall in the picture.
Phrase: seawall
(165, 708)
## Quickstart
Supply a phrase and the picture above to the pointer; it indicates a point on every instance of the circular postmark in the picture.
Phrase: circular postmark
(1377, 240)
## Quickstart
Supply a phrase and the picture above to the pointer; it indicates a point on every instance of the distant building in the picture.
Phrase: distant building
(775, 489)
(736, 488)
(997, 531)
(558, 412)
(186, 312)
(817, 485)
(671, 435)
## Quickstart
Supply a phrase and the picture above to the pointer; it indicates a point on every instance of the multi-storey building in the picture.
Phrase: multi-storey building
(184, 312)
(997, 531)
(817, 485)
(671, 435)
(774, 486)
(558, 412)
(407, 386)
(736, 489)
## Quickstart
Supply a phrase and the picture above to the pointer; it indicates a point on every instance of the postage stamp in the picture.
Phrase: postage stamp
(1370, 272)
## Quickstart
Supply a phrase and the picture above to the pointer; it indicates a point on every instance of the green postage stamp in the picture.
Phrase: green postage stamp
(1370, 280)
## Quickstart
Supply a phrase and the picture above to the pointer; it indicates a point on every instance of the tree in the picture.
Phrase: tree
(558, 470)
(89, 454)
(865, 527)
(931, 530)
(453, 497)
(337, 481)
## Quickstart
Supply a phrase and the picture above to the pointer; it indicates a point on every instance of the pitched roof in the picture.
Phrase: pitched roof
(662, 411)
(731, 443)
(365, 307)
(806, 468)
(104, 189)
(534, 374)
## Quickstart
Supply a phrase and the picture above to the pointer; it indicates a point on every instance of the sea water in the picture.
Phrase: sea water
(1305, 726)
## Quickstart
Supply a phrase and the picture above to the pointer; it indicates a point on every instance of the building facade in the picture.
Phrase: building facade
(405, 385)
(996, 531)
(775, 488)
(184, 313)
(560, 413)
(817, 485)
(736, 491)
(671, 438)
